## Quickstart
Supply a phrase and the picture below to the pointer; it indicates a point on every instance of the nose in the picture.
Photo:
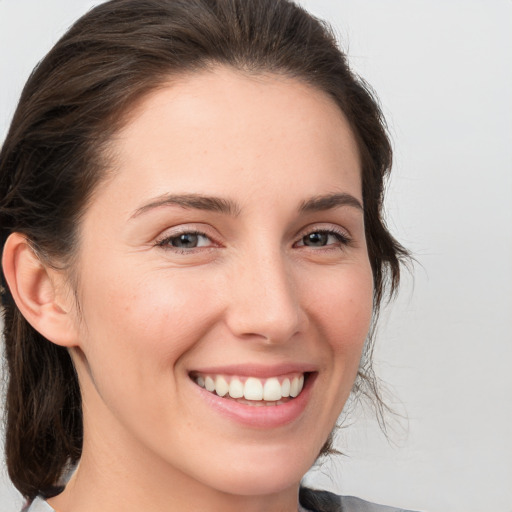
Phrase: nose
(264, 302)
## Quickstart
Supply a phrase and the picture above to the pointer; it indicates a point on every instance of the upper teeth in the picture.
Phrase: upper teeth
(252, 388)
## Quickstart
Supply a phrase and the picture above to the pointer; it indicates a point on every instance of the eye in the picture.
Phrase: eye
(323, 238)
(186, 240)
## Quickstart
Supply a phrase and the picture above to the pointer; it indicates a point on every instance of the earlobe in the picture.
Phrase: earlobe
(38, 291)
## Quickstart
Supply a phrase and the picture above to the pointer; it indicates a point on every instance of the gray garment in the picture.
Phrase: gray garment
(323, 501)
(352, 504)
(335, 504)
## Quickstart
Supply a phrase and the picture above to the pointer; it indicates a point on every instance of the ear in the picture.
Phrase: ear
(40, 292)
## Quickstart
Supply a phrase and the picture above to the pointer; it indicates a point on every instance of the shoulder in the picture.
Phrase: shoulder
(323, 501)
(352, 504)
(312, 500)
(38, 505)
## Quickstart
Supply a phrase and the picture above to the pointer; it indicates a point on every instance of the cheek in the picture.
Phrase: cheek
(343, 309)
(146, 322)
(137, 331)
(341, 312)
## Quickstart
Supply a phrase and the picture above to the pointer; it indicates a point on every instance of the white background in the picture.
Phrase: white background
(443, 72)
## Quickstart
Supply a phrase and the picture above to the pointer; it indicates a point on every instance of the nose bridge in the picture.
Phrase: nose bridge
(264, 299)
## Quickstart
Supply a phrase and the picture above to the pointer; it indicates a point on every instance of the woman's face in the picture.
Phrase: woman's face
(226, 255)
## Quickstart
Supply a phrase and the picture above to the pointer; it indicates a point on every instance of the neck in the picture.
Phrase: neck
(84, 494)
(112, 483)
(119, 470)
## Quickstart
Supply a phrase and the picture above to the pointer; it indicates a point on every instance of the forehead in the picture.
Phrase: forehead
(214, 127)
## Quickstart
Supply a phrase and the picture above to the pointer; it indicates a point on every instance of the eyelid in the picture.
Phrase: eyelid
(163, 242)
(184, 229)
(340, 233)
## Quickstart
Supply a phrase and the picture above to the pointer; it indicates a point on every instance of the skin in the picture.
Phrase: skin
(253, 293)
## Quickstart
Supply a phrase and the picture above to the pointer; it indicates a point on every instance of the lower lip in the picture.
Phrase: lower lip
(264, 417)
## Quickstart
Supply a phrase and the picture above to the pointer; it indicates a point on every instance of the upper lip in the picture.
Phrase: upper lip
(256, 370)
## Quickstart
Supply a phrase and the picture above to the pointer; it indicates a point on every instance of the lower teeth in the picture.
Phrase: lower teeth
(256, 403)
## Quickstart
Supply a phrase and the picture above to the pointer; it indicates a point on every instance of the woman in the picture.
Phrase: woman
(194, 255)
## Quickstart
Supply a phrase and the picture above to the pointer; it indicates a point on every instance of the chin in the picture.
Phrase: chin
(265, 473)
(265, 481)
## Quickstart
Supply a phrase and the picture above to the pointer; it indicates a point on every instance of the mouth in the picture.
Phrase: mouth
(253, 391)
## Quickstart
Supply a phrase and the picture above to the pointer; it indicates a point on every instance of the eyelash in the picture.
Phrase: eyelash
(165, 243)
(342, 237)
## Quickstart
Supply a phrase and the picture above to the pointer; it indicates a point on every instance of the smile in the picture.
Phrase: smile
(252, 390)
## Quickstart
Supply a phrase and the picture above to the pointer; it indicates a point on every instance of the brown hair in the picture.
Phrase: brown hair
(54, 157)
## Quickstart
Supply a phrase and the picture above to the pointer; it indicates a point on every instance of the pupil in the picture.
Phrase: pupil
(186, 240)
(316, 239)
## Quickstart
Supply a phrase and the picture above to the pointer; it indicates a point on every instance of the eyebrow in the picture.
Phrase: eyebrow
(229, 207)
(195, 201)
(330, 201)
